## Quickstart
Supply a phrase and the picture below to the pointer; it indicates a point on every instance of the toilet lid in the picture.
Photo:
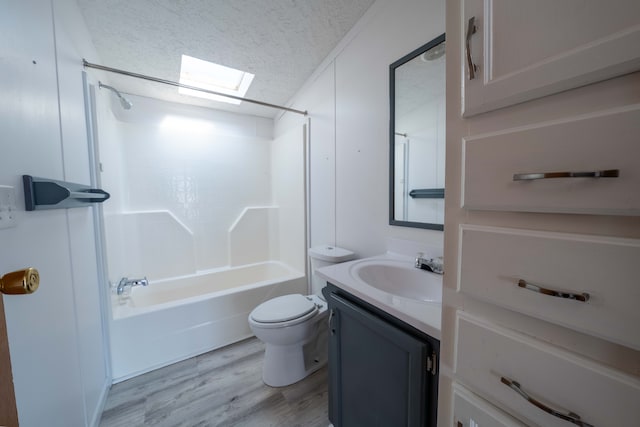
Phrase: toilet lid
(282, 309)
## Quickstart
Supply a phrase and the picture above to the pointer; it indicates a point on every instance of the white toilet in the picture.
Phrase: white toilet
(294, 327)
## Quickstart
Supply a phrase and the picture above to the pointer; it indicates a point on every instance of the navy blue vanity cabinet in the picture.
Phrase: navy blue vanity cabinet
(382, 372)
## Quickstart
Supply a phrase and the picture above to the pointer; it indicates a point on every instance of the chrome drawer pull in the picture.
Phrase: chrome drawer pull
(609, 173)
(570, 417)
(583, 297)
(471, 30)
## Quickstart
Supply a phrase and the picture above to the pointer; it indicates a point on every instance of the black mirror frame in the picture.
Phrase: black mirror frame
(392, 92)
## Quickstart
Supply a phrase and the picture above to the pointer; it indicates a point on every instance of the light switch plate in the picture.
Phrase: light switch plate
(7, 206)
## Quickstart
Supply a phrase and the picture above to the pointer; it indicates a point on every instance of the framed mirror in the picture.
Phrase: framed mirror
(417, 137)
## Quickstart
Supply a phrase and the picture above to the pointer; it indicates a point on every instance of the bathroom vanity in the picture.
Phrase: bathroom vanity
(381, 370)
(383, 347)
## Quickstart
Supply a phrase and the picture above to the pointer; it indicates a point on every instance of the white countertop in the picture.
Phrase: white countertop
(422, 315)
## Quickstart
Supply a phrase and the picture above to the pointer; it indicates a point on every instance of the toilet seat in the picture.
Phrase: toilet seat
(289, 309)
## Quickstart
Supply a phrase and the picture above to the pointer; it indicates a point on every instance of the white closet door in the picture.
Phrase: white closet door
(528, 49)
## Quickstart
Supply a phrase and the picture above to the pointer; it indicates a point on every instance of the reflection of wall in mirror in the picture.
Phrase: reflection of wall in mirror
(425, 129)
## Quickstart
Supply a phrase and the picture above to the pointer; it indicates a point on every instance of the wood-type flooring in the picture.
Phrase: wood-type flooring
(221, 388)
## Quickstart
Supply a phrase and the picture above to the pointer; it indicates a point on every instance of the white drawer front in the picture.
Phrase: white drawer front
(583, 144)
(567, 383)
(471, 411)
(494, 260)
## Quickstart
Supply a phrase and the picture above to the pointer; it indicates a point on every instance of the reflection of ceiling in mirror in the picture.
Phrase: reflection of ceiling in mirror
(419, 81)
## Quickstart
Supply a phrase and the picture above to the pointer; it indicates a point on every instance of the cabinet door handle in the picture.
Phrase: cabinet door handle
(583, 297)
(331, 314)
(471, 30)
(609, 173)
(570, 417)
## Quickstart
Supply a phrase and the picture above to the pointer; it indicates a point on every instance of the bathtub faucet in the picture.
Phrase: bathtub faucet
(124, 282)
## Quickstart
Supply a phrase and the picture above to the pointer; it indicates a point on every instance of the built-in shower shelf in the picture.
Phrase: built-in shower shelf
(43, 193)
(427, 193)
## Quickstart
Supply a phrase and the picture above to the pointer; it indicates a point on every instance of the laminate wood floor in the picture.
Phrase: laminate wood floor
(221, 388)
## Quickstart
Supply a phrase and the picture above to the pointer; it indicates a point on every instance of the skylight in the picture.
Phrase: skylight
(218, 78)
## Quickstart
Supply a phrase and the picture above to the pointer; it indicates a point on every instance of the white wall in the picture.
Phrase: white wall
(348, 103)
(55, 335)
(318, 98)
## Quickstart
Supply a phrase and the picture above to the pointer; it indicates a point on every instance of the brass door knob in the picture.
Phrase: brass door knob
(20, 282)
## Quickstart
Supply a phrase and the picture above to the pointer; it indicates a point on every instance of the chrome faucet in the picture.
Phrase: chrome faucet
(434, 265)
(124, 282)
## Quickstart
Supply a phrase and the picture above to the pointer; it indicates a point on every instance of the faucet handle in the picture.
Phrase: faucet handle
(419, 258)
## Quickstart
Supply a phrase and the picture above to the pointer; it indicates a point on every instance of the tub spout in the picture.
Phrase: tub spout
(124, 282)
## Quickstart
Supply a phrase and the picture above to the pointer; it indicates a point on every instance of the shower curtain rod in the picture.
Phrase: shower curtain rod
(87, 64)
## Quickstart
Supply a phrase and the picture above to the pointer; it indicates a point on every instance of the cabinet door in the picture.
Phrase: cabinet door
(528, 49)
(377, 373)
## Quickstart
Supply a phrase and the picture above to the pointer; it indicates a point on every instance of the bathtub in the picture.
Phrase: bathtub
(175, 319)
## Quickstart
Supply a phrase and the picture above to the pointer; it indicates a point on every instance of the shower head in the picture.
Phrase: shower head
(126, 104)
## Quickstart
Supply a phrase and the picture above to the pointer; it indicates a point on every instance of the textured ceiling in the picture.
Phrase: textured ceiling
(280, 41)
(420, 81)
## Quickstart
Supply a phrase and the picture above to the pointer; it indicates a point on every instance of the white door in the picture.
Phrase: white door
(45, 329)
(528, 49)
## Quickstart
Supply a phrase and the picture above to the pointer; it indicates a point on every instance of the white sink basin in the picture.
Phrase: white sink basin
(399, 278)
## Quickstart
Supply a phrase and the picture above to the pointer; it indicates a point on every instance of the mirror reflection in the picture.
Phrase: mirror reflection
(417, 137)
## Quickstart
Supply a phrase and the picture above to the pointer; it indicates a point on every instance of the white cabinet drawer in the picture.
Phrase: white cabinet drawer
(528, 49)
(487, 354)
(494, 260)
(471, 411)
(577, 144)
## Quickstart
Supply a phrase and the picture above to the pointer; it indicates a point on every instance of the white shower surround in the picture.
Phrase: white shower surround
(206, 170)
(157, 245)
(203, 167)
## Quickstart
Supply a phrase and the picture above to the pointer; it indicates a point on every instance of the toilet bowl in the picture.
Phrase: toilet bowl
(294, 327)
(294, 330)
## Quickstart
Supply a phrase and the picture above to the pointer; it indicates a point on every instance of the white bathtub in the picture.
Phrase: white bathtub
(174, 319)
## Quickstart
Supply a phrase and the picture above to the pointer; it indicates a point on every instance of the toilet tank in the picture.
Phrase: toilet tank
(322, 256)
